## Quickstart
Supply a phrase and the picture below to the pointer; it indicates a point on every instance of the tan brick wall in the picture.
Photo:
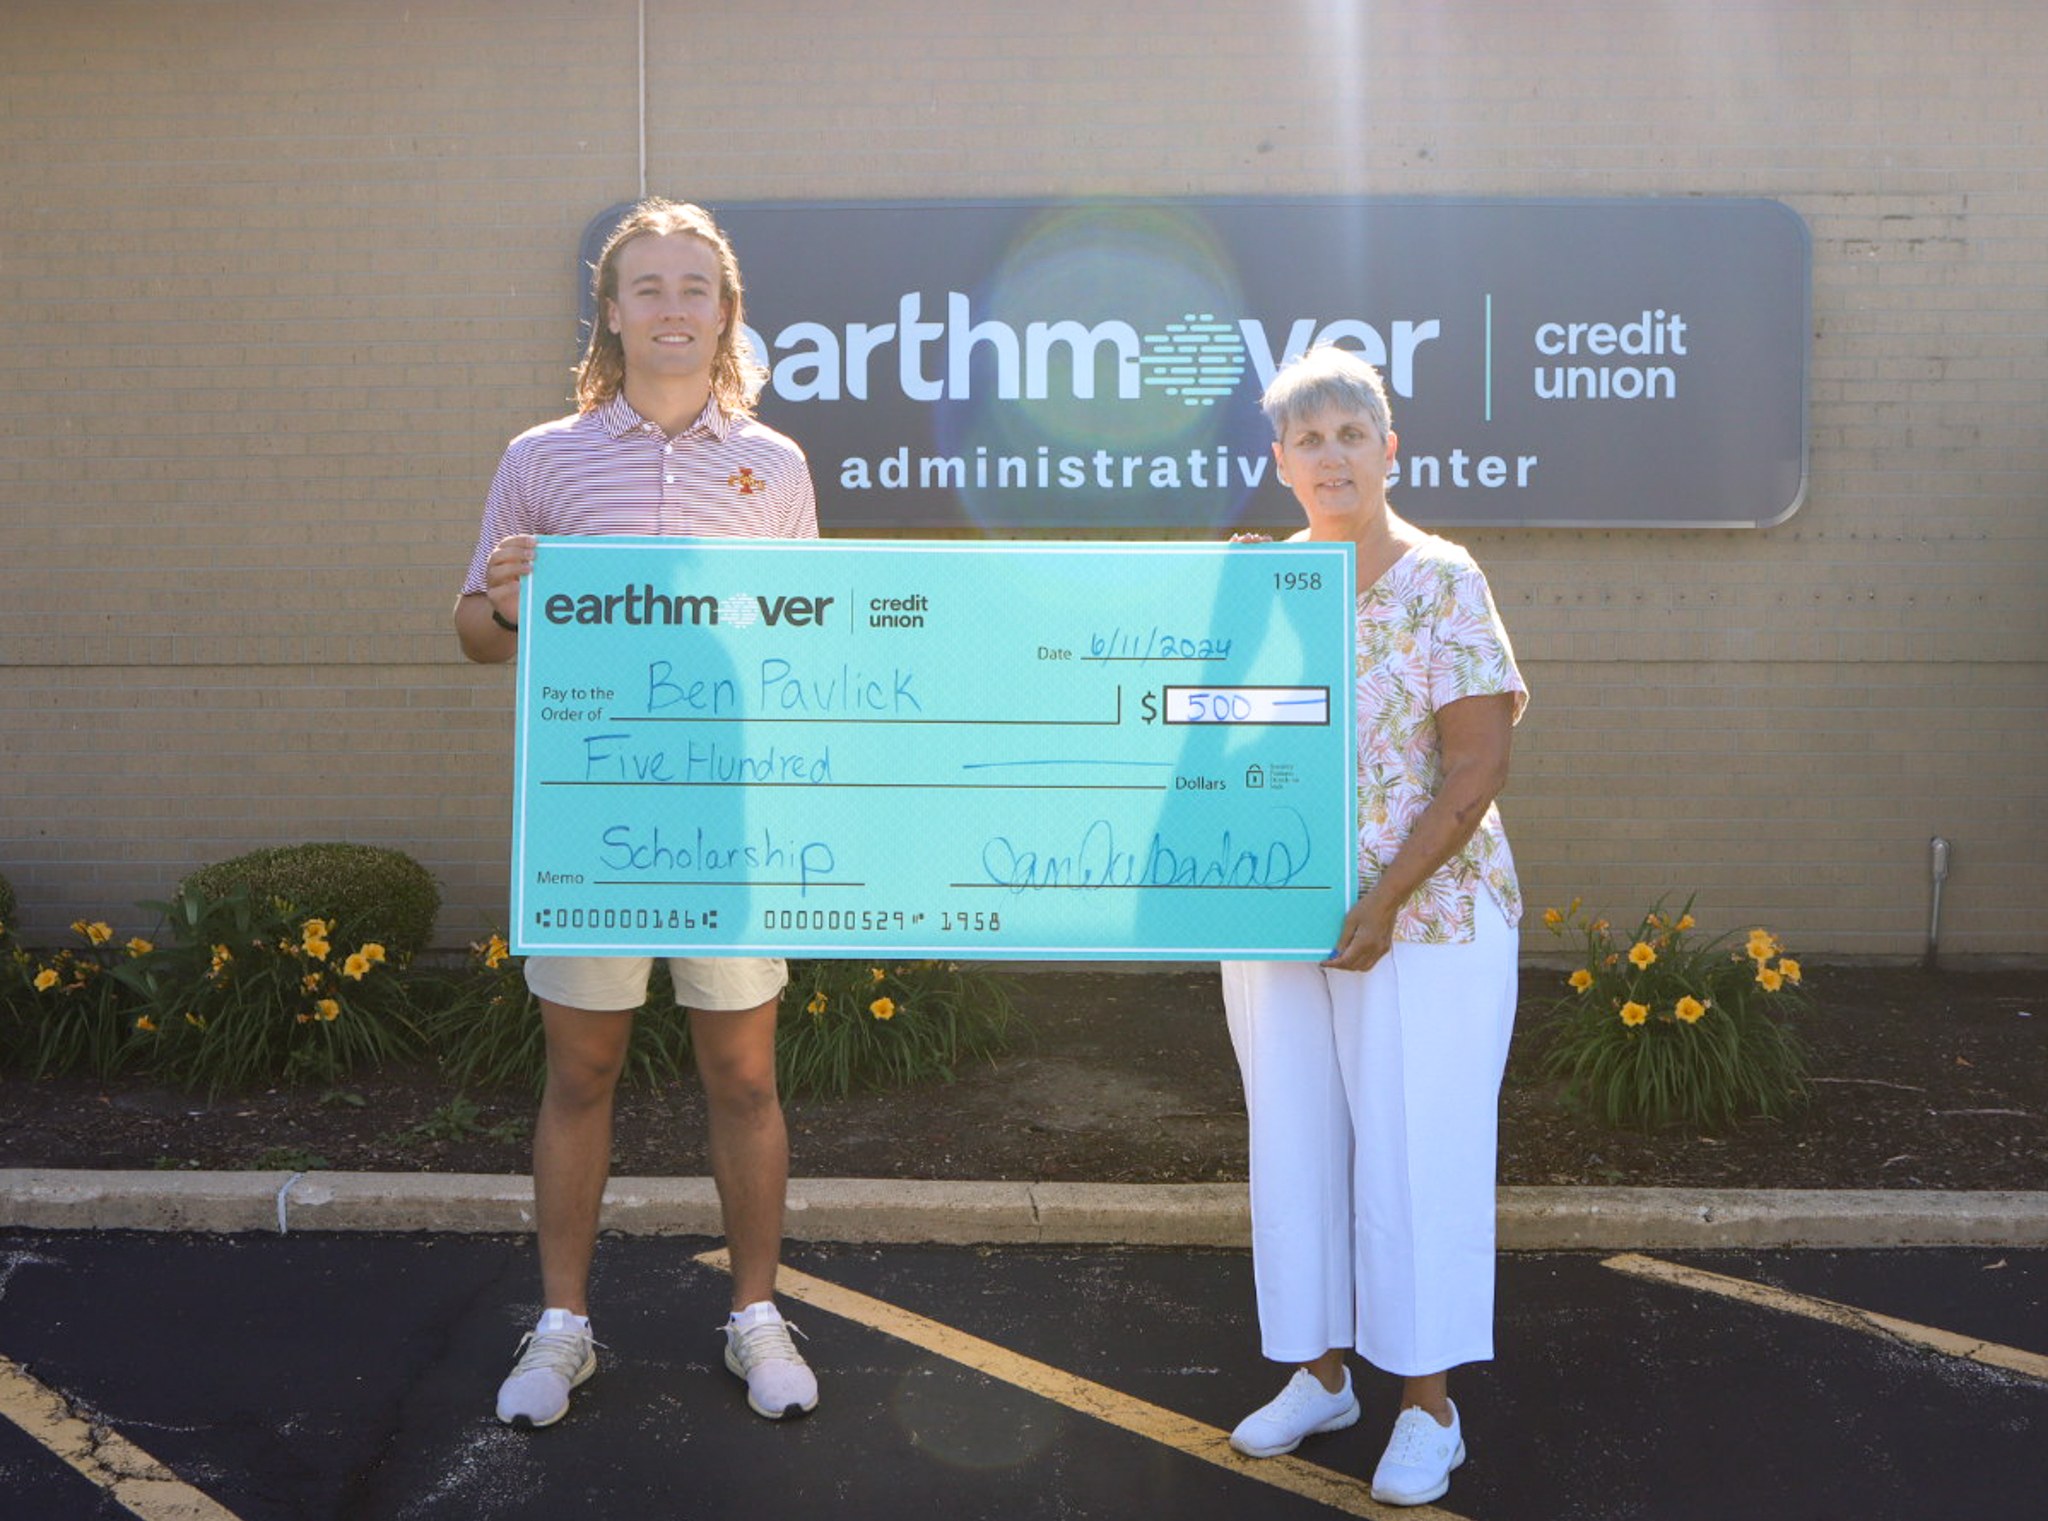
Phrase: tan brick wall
(280, 279)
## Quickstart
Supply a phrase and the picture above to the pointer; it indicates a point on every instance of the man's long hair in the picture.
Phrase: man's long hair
(735, 379)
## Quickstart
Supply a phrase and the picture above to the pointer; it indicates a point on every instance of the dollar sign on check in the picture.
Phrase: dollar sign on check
(1151, 709)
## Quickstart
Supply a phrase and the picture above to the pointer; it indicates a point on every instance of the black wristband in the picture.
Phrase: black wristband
(503, 622)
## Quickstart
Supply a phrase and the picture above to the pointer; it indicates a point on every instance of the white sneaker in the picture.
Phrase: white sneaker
(1416, 1467)
(1302, 1409)
(555, 1357)
(758, 1349)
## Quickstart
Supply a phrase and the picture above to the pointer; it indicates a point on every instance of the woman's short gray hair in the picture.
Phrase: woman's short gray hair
(1326, 376)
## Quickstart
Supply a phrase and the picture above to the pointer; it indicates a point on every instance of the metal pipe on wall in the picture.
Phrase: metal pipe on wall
(643, 99)
(1937, 871)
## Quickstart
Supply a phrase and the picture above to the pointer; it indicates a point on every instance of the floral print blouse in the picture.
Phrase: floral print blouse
(1428, 634)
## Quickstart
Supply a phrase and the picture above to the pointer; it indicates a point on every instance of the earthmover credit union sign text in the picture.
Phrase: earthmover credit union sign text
(1030, 366)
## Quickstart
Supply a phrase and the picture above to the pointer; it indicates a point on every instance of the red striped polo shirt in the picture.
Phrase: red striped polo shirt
(610, 470)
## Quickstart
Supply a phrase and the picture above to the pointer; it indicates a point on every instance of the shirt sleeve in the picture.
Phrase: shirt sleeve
(1470, 655)
(800, 509)
(505, 513)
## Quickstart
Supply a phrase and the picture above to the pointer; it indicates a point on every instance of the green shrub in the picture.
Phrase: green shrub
(843, 1025)
(1658, 1030)
(8, 906)
(247, 992)
(384, 895)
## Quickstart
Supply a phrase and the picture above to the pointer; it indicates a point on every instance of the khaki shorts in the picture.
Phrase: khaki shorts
(620, 982)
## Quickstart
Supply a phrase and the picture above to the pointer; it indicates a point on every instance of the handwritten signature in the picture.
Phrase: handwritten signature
(1095, 859)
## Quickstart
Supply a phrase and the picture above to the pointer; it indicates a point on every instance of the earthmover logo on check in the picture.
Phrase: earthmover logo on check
(642, 605)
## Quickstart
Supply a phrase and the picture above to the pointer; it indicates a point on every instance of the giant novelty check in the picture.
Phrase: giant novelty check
(839, 748)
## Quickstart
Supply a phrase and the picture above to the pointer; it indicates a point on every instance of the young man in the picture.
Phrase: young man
(663, 442)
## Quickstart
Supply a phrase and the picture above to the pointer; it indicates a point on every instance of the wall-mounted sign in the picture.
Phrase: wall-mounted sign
(1027, 367)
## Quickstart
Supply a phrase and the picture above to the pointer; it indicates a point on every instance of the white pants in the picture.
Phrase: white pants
(1374, 1103)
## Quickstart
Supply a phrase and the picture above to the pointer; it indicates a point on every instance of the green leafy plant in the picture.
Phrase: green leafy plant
(458, 1120)
(1660, 1028)
(855, 1024)
(246, 991)
(68, 1009)
(843, 1025)
(8, 906)
(383, 895)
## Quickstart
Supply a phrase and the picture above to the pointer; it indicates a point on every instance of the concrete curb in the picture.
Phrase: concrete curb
(871, 1210)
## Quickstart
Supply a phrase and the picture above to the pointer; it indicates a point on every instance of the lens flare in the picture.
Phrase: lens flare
(1127, 316)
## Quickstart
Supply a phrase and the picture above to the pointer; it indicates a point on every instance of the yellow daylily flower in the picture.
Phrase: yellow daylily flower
(373, 952)
(1788, 968)
(1762, 947)
(1552, 917)
(1769, 980)
(1640, 955)
(1690, 1009)
(883, 1008)
(139, 947)
(144, 1022)
(356, 966)
(1633, 1013)
(1580, 980)
(328, 1009)
(818, 1004)
(45, 980)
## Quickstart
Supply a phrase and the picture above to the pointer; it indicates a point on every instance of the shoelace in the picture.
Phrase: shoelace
(1417, 1439)
(769, 1342)
(558, 1352)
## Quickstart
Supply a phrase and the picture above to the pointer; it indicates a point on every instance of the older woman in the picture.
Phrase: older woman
(1372, 1079)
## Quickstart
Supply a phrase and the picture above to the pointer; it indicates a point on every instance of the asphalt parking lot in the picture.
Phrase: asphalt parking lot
(351, 1376)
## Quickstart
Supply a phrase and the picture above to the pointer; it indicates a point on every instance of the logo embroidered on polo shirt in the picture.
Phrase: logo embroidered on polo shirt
(746, 480)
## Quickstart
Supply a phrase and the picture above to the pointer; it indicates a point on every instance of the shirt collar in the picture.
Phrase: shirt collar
(618, 419)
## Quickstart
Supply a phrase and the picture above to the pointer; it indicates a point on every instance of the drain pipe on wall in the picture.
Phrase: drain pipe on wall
(1937, 872)
(642, 112)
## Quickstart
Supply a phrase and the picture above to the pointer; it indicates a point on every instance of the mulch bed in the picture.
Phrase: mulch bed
(1922, 1081)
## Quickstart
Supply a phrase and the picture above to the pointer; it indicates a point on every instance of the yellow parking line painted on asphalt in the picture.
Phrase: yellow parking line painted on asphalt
(131, 1476)
(1848, 1317)
(1338, 1491)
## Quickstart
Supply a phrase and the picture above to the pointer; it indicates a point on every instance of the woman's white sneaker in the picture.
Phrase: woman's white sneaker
(1302, 1409)
(1416, 1467)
